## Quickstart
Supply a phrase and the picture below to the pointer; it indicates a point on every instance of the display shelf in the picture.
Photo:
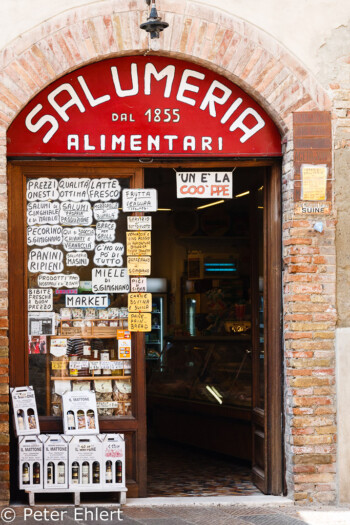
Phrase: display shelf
(86, 336)
(31, 493)
(89, 378)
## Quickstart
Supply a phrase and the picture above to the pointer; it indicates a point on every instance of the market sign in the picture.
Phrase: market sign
(146, 107)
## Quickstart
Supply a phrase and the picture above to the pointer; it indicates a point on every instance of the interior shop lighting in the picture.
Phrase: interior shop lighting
(154, 26)
(260, 207)
(219, 267)
(210, 204)
(164, 209)
(214, 394)
(242, 194)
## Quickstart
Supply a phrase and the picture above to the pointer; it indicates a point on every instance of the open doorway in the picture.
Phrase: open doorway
(205, 356)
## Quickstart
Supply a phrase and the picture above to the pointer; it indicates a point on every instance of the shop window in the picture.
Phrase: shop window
(75, 227)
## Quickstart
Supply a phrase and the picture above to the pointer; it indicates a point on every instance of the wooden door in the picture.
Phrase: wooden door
(266, 340)
(133, 427)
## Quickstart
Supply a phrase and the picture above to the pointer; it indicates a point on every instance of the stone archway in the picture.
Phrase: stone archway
(219, 41)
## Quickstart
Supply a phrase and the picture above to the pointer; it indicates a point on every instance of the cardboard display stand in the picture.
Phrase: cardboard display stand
(55, 461)
(30, 463)
(80, 413)
(25, 413)
(82, 460)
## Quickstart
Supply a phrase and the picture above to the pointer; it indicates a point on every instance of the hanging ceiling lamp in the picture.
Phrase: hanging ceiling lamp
(154, 26)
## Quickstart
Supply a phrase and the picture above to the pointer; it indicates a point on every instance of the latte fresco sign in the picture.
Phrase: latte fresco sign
(144, 106)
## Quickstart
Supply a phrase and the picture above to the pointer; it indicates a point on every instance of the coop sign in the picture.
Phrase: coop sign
(204, 185)
(143, 106)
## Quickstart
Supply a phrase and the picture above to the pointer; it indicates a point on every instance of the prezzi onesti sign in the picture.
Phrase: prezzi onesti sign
(145, 107)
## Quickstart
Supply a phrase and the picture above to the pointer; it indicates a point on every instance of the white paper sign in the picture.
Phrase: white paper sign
(40, 300)
(44, 235)
(76, 213)
(138, 284)
(45, 260)
(106, 211)
(77, 259)
(204, 185)
(110, 280)
(58, 280)
(43, 213)
(140, 223)
(75, 190)
(109, 254)
(140, 200)
(42, 189)
(104, 190)
(78, 239)
(105, 231)
(87, 301)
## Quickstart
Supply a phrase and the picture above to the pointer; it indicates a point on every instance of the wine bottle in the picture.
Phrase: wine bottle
(96, 472)
(108, 472)
(75, 472)
(61, 472)
(25, 474)
(36, 474)
(50, 473)
(85, 472)
(118, 472)
(20, 420)
(31, 419)
(91, 419)
(70, 420)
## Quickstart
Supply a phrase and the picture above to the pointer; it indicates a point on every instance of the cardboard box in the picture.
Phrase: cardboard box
(30, 462)
(85, 455)
(113, 456)
(80, 413)
(55, 461)
(25, 413)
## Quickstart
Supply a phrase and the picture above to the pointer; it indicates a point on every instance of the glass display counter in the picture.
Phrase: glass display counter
(213, 370)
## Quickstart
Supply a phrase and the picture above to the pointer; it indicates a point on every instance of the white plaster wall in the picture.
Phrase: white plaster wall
(303, 26)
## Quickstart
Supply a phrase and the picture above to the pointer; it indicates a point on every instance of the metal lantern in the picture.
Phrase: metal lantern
(154, 25)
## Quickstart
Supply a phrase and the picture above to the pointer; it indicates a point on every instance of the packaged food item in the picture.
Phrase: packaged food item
(55, 461)
(113, 461)
(77, 313)
(90, 313)
(25, 414)
(80, 413)
(59, 366)
(65, 313)
(30, 453)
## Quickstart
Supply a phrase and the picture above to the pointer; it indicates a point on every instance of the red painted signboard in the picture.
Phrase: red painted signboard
(143, 107)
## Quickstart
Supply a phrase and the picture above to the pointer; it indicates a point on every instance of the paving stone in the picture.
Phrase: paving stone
(271, 519)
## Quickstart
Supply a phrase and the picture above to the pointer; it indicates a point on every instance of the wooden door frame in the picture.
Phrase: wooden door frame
(274, 386)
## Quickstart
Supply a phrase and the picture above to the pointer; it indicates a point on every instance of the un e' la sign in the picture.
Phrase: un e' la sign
(143, 106)
(204, 185)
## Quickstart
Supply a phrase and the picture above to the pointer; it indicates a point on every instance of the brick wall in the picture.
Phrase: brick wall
(266, 71)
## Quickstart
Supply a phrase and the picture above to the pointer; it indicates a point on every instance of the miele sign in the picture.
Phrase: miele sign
(145, 107)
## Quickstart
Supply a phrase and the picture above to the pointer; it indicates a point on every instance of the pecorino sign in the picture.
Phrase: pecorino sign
(145, 107)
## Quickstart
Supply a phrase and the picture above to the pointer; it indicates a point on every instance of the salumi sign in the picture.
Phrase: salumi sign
(145, 107)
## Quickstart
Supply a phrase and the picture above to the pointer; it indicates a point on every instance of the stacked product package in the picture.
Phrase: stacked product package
(79, 460)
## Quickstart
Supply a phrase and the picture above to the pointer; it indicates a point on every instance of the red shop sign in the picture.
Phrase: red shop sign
(145, 107)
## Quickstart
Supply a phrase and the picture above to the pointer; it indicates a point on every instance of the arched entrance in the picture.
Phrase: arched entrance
(179, 116)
